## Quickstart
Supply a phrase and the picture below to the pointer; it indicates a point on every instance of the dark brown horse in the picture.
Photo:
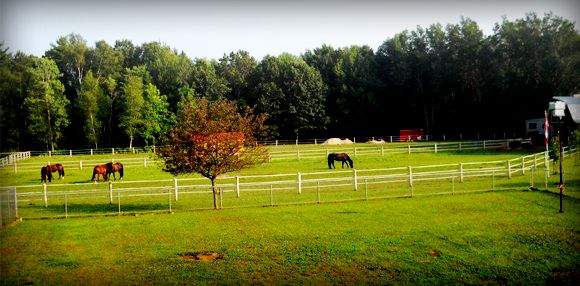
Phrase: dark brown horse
(100, 170)
(339, 157)
(56, 167)
(44, 174)
(115, 167)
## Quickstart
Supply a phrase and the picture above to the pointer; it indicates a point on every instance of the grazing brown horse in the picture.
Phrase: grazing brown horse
(44, 174)
(115, 167)
(56, 167)
(100, 170)
(339, 157)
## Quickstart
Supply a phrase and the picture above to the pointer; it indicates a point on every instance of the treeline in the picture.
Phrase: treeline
(445, 80)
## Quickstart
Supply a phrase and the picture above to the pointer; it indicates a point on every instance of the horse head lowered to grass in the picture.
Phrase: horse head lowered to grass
(343, 157)
(45, 174)
(100, 170)
(115, 167)
(56, 167)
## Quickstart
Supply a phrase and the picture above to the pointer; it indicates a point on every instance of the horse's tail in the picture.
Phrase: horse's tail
(349, 161)
(60, 170)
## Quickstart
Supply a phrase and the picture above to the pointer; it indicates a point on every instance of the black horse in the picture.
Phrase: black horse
(339, 157)
(45, 173)
(115, 167)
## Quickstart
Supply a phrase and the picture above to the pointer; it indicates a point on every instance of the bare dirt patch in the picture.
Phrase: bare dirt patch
(203, 257)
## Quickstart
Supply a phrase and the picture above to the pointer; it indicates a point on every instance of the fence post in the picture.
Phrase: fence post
(15, 204)
(221, 198)
(113, 151)
(81, 164)
(523, 165)
(169, 199)
(483, 144)
(459, 146)
(299, 183)
(153, 149)
(409, 148)
(111, 194)
(315, 143)
(366, 190)
(391, 138)
(70, 153)
(532, 177)
(435, 148)
(461, 172)
(145, 162)
(410, 176)
(318, 191)
(49, 154)
(453, 185)
(238, 186)
(355, 179)
(271, 196)
(175, 189)
(45, 195)
(91, 152)
(509, 169)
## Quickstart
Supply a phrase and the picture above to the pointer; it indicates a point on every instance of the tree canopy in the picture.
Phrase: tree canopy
(213, 138)
(447, 80)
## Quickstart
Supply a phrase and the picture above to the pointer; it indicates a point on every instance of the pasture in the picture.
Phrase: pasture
(511, 235)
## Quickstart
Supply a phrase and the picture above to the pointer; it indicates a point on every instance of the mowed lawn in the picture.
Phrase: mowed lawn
(508, 237)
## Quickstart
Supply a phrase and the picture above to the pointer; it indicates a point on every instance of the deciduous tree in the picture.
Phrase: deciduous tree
(46, 103)
(213, 138)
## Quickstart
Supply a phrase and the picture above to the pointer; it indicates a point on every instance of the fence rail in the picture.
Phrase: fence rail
(128, 197)
(277, 154)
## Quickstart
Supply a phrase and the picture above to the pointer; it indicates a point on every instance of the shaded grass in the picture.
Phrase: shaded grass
(485, 238)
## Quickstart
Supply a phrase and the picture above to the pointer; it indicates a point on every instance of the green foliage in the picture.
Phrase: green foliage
(46, 104)
(291, 93)
(133, 103)
(89, 102)
(441, 79)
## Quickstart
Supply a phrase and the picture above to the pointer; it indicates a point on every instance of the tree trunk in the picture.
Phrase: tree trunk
(215, 194)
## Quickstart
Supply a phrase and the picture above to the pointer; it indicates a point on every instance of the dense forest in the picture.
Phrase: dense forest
(446, 80)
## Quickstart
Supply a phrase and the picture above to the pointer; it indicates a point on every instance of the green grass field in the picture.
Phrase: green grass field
(511, 236)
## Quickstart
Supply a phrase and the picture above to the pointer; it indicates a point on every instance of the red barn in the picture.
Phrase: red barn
(411, 135)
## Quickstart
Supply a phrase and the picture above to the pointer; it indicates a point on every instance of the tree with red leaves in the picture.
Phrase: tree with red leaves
(213, 138)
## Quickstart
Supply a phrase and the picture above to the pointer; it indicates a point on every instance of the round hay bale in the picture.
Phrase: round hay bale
(332, 141)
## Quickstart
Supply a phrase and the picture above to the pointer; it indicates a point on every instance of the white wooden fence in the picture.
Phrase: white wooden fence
(276, 154)
(13, 158)
(277, 189)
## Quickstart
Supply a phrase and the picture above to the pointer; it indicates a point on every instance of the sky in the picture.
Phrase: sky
(210, 29)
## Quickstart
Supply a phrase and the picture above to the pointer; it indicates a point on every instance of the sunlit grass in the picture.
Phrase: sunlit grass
(515, 237)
